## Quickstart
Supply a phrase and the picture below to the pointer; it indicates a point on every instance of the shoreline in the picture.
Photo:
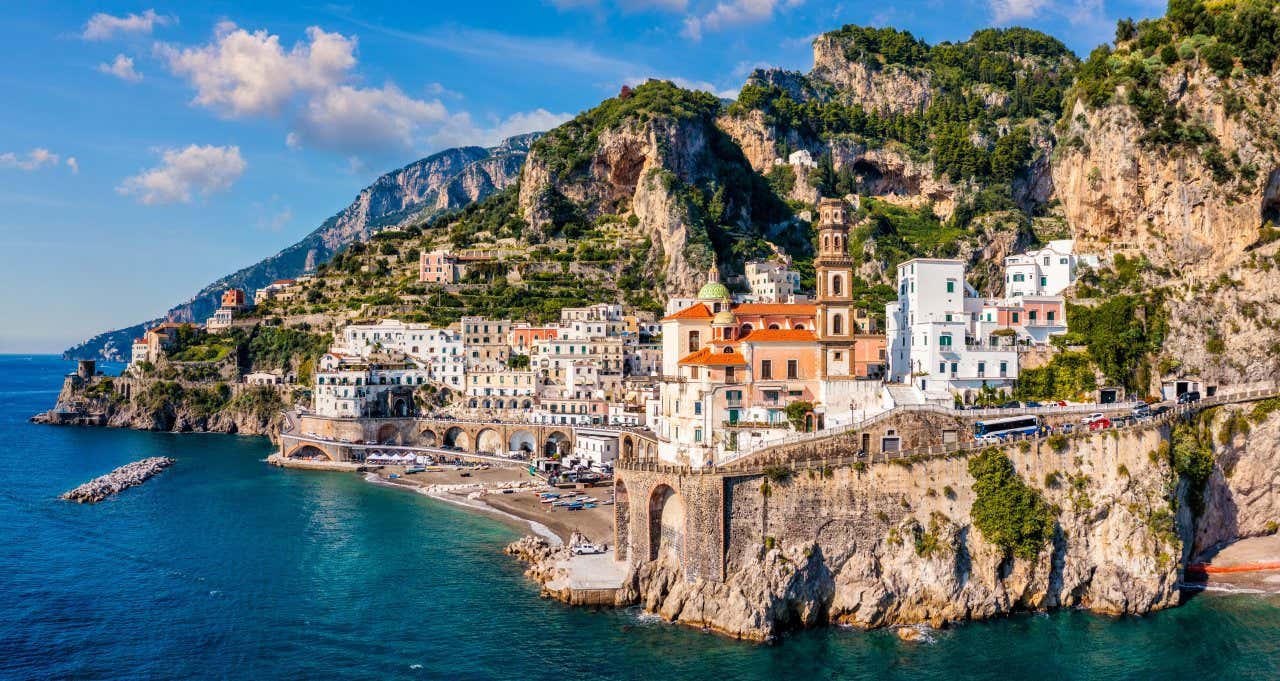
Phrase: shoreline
(536, 527)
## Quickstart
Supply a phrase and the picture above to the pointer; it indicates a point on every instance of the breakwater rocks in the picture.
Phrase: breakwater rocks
(120, 479)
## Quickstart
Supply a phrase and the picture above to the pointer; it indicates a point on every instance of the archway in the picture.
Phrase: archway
(400, 407)
(427, 438)
(388, 434)
(556, 444)
(489, 440)
(457, 437)
(666, 523)
(522, 441)
(309, 452)
(628, 448)
(621, 520)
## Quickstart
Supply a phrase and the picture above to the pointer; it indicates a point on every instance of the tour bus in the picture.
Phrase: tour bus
(1006, 427)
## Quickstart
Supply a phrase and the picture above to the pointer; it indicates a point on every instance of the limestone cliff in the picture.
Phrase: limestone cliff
(1242, 497)
(895, 545)
(1198, 208)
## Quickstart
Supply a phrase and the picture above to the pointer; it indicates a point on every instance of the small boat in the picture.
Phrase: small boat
(464, 474)
(414, 469)
(588, 505)
(393, 476)
(607, 502)
(508, 491)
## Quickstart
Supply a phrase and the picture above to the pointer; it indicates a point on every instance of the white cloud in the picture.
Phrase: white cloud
(33, 160)
(242, 73)
(728, 13)
(185, 172)
(348, 118)
(1015, 10)
(102, 26)
(121, 68)
(74, 165)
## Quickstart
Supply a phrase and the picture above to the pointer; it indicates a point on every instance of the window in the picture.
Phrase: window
(951, 286)
(982, 369)
(945, 340)
(942, 367)
(1004, 369)
(766, 369)
(954, 368)
(1049, 315)
(697, 435)
(694, 341)
(948, 316)
(837, 325)
(1046, 260)
(697, 408)
(837, 285)
(838, 355)
(793, 368)
(1044, 281)
(1016, 317)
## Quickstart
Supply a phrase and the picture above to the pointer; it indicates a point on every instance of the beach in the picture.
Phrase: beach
(510, 494)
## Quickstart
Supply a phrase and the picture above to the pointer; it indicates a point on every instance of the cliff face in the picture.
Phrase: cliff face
(1241, 497)
(893, 89)
(448, 180)
(896, 545)
(1166, 202)
(143, 404)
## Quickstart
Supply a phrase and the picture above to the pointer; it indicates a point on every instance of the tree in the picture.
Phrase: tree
(796, 413)
(1009, 513)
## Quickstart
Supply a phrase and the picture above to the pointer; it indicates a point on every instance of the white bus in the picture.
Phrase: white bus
(1005, 428)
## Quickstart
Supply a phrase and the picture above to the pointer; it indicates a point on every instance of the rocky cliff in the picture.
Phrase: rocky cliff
(441, 182)
(1242, 497)
(897, 545)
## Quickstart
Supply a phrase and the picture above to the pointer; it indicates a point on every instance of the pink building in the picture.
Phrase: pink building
(438, 267)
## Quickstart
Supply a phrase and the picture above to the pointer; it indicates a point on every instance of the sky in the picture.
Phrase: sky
(148, 149)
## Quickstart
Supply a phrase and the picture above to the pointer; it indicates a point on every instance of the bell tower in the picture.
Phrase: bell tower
(834, 299)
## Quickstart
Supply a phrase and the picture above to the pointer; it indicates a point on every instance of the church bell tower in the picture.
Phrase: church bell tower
(834, 300)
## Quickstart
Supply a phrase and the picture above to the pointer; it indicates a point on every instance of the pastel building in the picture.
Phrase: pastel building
(730, 371)
(439, 267)
(772, 281)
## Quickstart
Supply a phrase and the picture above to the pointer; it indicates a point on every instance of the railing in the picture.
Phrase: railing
(832, 433)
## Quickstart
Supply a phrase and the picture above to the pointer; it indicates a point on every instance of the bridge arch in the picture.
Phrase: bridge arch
(666, 522)
(388, 434)
(489, 440)
(307, 451)
(427, 438)
(457, 437)
(522, 441)
(556, 444)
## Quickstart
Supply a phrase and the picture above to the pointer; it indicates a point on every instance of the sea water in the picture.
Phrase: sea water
(225, 567)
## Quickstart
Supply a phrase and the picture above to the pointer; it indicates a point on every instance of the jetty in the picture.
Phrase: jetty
(118, 480)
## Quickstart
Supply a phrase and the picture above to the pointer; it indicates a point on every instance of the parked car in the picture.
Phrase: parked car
(1160, 410)
(1189, 397)
(586, 549)
(1067, 428)
(1032, 404)
(1011, 405)
(1141, 410)
(1095, 416)
(1100, 424)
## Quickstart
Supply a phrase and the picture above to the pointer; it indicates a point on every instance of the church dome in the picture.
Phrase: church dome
(713, 290)
(723, 318)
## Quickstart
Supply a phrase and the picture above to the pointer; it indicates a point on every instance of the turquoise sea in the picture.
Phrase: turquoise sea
(223, 567)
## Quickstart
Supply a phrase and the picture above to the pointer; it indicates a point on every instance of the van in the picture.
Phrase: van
(1189, 397)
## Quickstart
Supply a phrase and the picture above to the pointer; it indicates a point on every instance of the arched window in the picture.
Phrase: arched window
(837, 285)
(746, 329)
(694, 340)
(837, 325)
(774, 326)
(799, 327)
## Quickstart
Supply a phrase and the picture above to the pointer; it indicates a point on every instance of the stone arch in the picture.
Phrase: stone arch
(400, 407)
(556, 443)
(666, 522)
(457, 437)
(427, 438)
(528, 404)
(489, 440)
(306, 451)
(388, 434)
(522, 441)
(628, 448)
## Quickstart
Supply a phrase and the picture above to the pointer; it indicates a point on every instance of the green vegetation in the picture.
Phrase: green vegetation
(1190, 455)
(796, 411)
(1068, 376)
(1009, 513)
(202, 402)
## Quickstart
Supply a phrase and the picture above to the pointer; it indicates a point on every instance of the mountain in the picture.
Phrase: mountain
(441, 182)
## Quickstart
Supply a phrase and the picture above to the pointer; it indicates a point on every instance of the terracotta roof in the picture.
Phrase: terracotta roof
(283, 281)
(706, 357)
(795, 309)
(779, 336)
(694, 311)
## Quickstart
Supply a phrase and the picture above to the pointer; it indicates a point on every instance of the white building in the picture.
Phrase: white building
(772, 281)
(1044, 272)
(439, 350)
(935, 341)
(350, 387)
(598, 452)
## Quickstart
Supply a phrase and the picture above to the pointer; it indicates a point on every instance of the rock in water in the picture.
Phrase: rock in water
(120, 479)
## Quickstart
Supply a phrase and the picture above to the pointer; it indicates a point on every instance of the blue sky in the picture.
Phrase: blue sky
(147, 149)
